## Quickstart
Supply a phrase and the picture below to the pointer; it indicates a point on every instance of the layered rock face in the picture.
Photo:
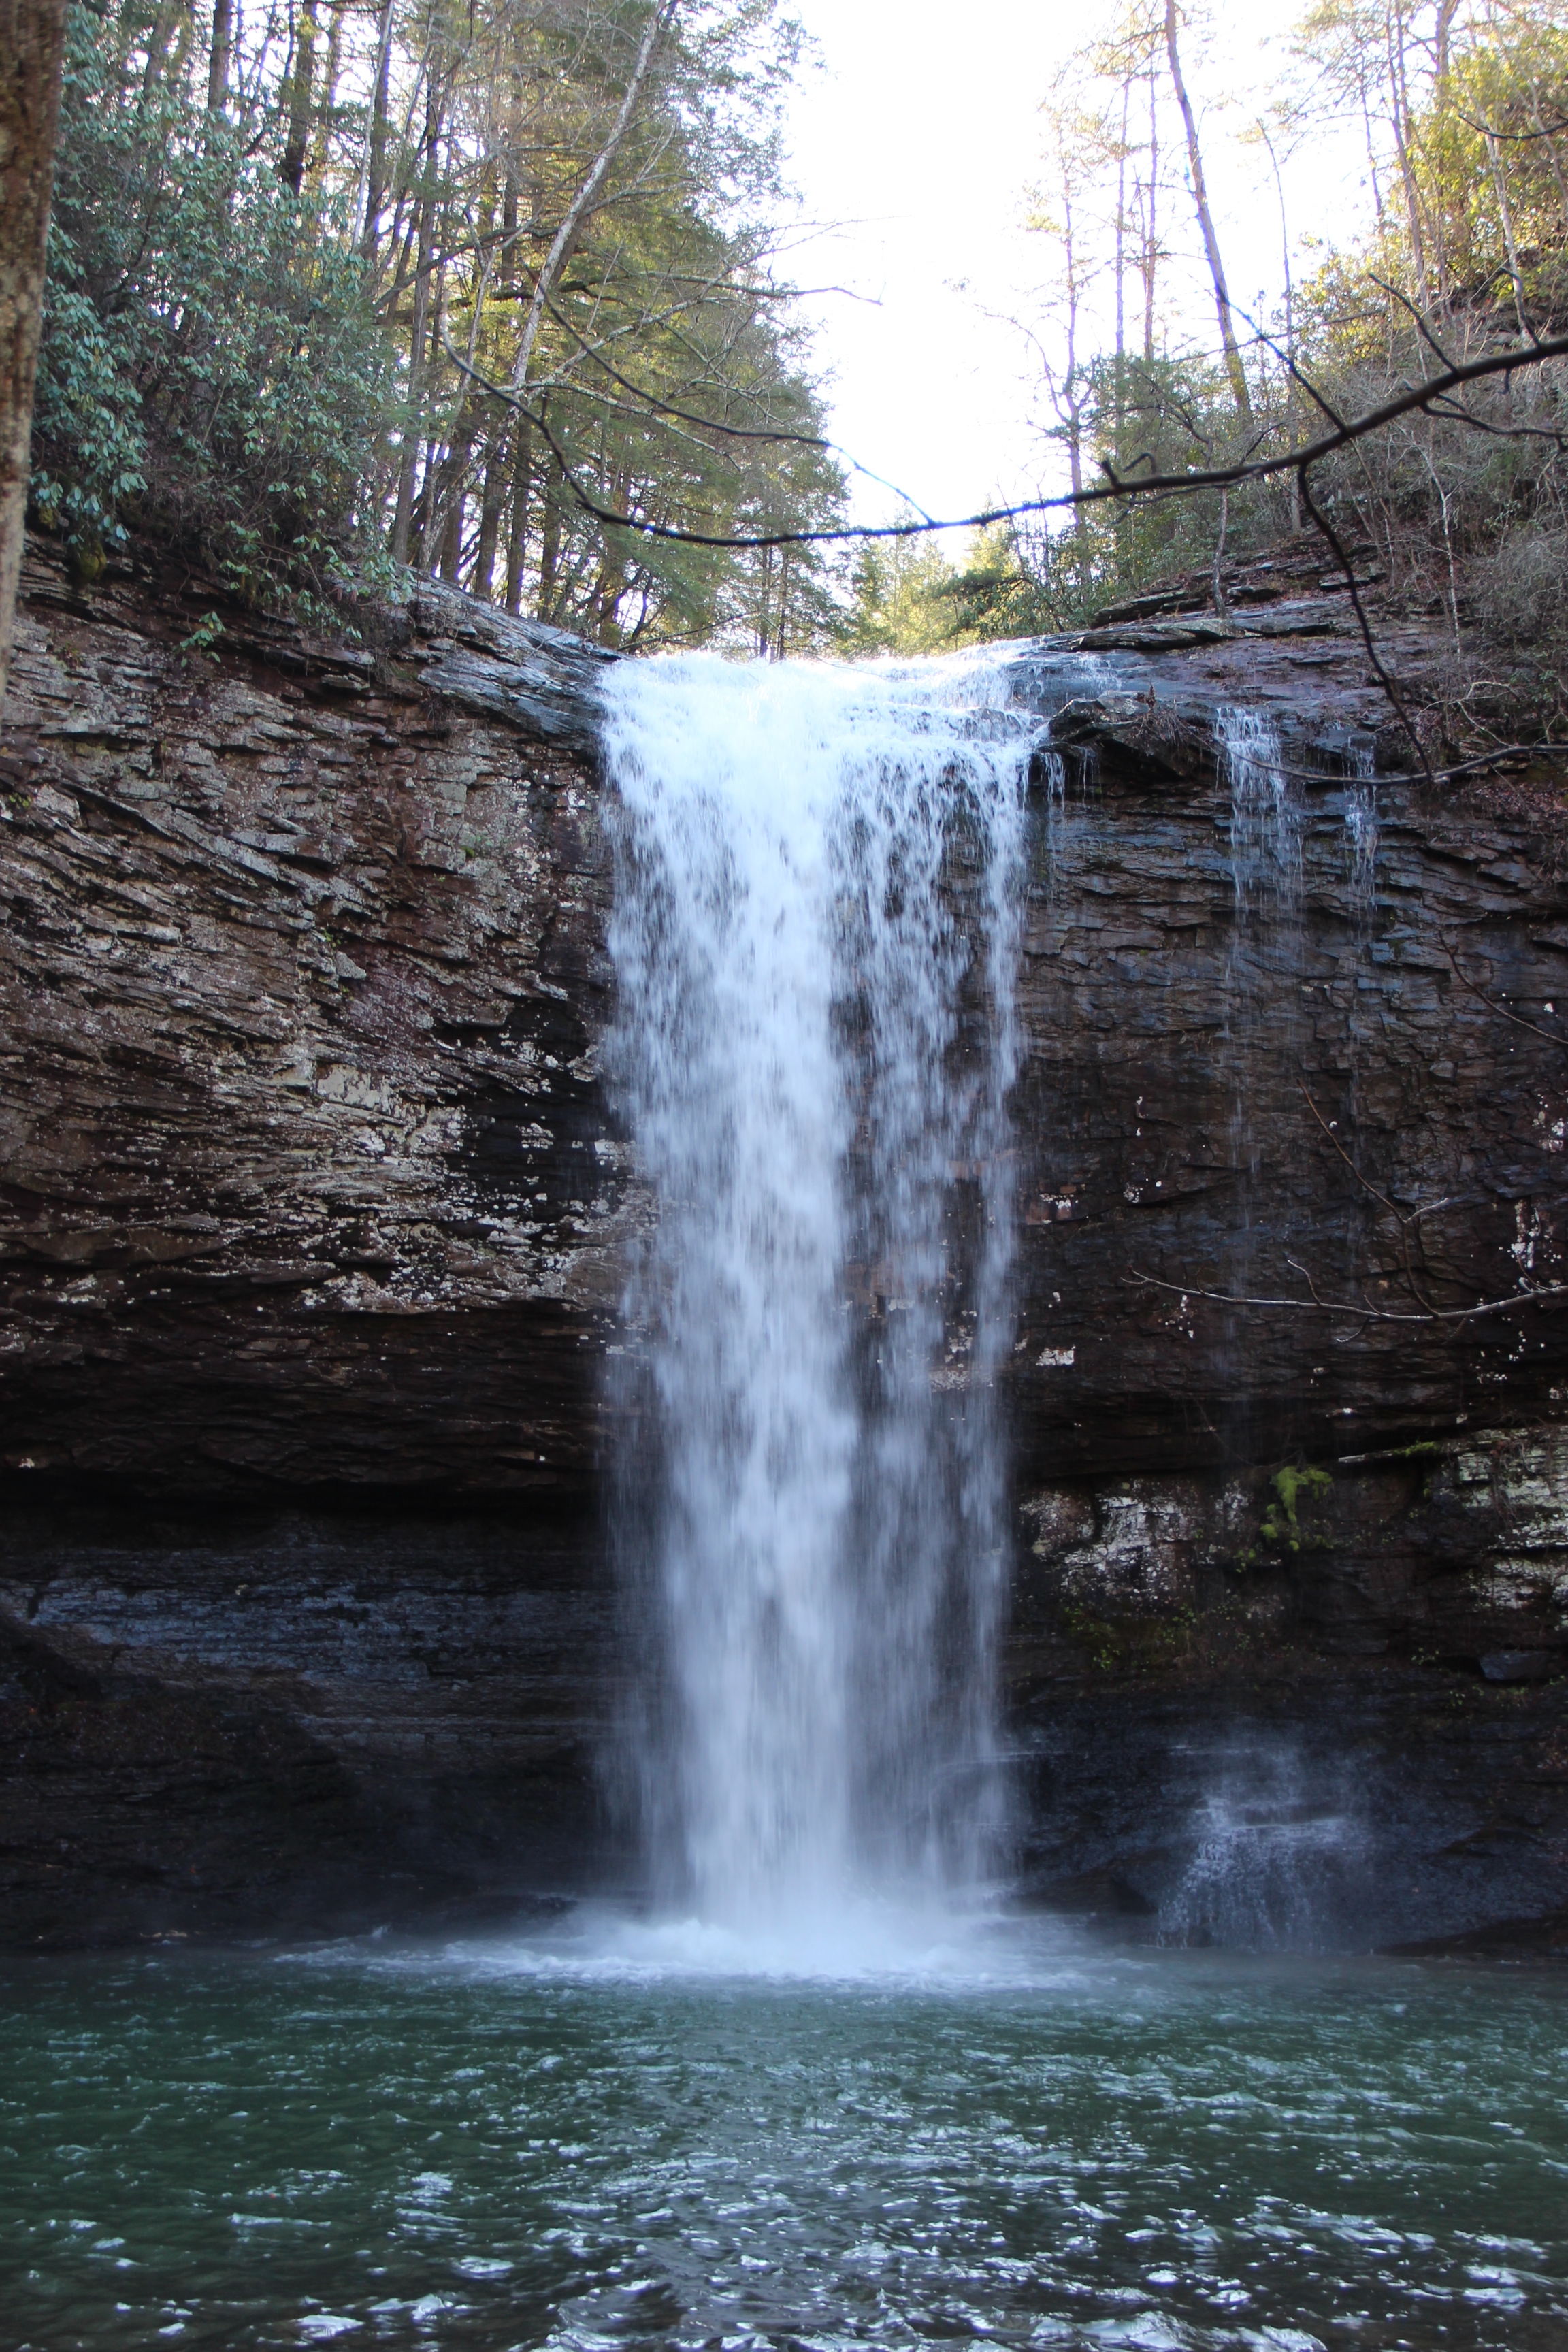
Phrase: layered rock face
(316, 1213)
(308, 1173)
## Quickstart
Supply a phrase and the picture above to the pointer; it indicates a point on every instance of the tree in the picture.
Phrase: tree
(1076, 156)
(902, 600)
(32, 39)
(417, 285)
(1232, 367)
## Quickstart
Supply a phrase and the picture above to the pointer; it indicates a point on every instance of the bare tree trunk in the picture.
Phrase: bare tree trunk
(159, 35)
(449, 496)
(762, 631)
(566, 235)
(1152, 248)
(218, 55)
(32, 43)
(403, 518)
(517, 537)
(292, 171)
(1403, 124)
(1511, 244)
(375, 158)
(328, 99)
(1120, 412)
(1292, 388)
(1233, 366)
(483, 582)
(549, 552)
(1121, 236)
(422, 508)
(451, 557)
(1067, 398)
(1447, 11)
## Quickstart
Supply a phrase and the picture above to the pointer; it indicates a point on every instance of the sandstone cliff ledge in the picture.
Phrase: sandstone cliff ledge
(314, 1212)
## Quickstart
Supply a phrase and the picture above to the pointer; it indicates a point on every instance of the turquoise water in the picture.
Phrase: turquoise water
(620, 2143)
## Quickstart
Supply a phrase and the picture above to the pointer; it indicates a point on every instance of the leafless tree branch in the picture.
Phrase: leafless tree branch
(1416, 398)
(1349, 1308)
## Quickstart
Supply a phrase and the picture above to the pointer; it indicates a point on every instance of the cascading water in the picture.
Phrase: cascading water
(1361, 830)
(1269, 1871)
(1265, 825)
(1262, 966)
(814, 938)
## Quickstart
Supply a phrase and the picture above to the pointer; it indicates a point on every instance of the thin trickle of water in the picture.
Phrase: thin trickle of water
(1267, 1872)
(1362, 828)
(1049, 786)
(815, 936)
(1266, 884)
(1265, 822)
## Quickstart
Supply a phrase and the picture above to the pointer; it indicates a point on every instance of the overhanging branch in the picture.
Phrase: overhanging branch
(1207, 477)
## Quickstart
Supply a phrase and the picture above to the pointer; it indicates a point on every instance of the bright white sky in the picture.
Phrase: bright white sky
(920, 136)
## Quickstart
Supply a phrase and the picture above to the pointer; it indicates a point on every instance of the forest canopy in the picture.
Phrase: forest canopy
(291, 251)
(345, 288)
(1460, 108)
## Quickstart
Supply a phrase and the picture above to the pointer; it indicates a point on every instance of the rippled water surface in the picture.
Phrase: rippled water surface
(631, 2142)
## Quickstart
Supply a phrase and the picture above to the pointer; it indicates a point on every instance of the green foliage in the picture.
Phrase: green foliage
(204, 636)
(1006, 588)
(209, 365)
(903, 599)
(258, 348)
(1463, 108)
(1282, 1524)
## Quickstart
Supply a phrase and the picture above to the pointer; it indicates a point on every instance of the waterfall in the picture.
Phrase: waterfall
(814, 937)
(1361, 830)
(1265, 824)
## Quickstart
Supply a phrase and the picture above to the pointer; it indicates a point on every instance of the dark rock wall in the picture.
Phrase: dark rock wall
(1258, 1065)
(314, 1215)
(308, 1177)
(272, 1719)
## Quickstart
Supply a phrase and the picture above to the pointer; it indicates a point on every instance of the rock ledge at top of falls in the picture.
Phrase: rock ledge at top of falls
(539, 679)
(1154, 741)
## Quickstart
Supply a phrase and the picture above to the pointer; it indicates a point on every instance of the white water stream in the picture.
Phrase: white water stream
(815, 938)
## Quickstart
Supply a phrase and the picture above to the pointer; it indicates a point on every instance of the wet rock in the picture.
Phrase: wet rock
(309, 1179)
(1150, 741)
(1517, 1665)
(220, 1721)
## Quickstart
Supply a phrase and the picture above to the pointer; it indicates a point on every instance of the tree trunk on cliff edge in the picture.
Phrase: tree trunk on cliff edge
(1233, 366)
(32, 39)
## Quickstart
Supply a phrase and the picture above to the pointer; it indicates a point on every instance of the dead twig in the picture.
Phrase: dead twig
(1384, 675)
(1216, 477)
(1407, 1226)
(1492, 1006)
(1348, 1307)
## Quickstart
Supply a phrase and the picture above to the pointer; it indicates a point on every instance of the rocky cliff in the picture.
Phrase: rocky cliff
(314, 1212)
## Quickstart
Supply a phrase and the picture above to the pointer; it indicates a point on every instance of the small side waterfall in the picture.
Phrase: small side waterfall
(815, 936)
(1362, 831)
(1265, 824)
